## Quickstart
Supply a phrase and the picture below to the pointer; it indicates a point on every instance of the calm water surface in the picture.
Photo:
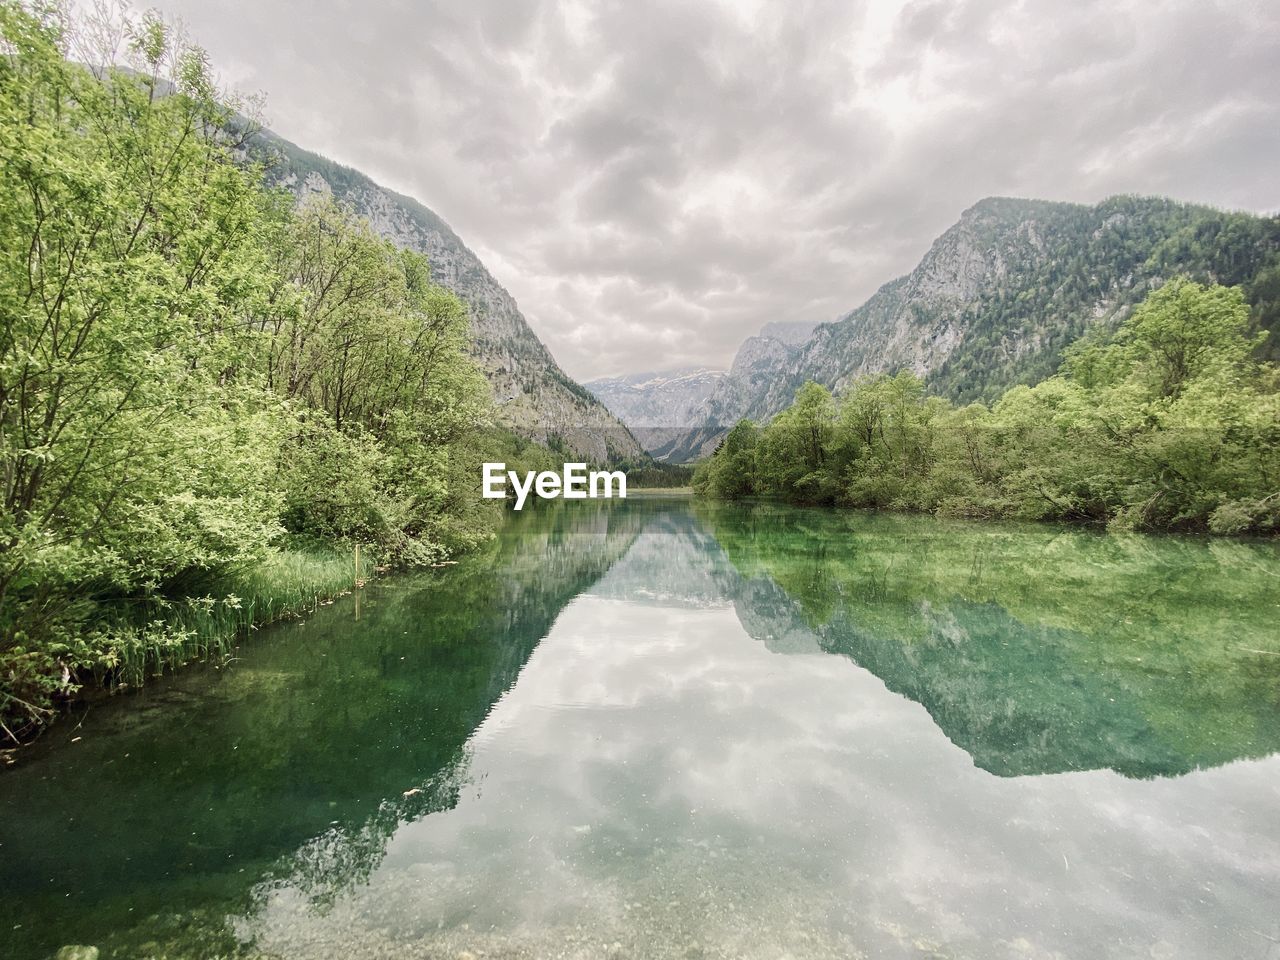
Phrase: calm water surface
(665, 729)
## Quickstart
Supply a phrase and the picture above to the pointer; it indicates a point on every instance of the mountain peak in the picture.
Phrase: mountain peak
(1015, 209)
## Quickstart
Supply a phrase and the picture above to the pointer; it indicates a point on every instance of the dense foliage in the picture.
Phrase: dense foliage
(191, 369)
(1172, 423)
(652, 474)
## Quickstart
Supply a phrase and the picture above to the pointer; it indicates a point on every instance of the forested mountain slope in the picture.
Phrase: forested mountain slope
(1000, 294)
(538, 399)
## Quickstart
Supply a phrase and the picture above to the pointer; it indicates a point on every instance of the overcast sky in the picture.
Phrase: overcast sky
(654, 181)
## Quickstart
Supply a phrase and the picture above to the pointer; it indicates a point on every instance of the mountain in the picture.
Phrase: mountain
(538, 399)
(668, 410)
(755, 366)
(792, 333)
(1001, 293)
(999, 296)
(658, 406)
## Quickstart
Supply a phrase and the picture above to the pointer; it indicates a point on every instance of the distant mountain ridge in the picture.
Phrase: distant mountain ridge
(754, 368)
(657, 406)
(663, 398)
(997, 298)
(538, 399)
(667, 409)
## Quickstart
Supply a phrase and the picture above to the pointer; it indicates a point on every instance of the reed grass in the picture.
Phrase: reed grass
(208, 617)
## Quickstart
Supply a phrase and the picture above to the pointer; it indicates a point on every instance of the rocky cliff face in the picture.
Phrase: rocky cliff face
(538, 400)
(916, 322)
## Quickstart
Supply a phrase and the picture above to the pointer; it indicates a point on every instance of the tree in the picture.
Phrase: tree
(131, 250)
(1182, 332)
(793, 449)
(731, 473)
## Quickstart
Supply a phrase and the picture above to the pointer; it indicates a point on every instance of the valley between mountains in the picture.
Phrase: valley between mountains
(992, 303)
(338, 618)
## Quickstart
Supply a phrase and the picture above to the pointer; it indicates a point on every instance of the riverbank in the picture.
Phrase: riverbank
(130, 639)
(992, 518)
(122, 642)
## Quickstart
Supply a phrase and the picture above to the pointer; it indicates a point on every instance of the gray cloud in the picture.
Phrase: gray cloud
(654, 181)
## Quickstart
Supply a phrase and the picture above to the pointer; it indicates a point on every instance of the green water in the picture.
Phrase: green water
(655, 728)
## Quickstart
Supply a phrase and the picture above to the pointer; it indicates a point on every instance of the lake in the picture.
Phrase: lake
(665, 728)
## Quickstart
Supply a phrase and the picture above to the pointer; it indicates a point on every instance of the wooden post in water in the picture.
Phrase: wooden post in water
(356, 587)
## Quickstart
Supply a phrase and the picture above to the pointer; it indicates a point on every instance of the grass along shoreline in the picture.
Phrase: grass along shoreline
(138, 638)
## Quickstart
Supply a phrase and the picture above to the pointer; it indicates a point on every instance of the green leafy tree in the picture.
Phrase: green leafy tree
(731, 473)
(793, 449)
(130, 251)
